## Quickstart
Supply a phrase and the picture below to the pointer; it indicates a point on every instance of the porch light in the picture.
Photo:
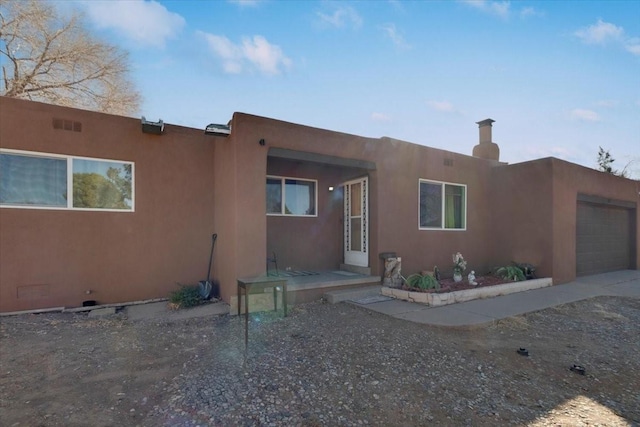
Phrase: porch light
(330, 188)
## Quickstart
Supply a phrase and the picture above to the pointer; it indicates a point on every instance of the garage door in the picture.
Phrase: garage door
(605, 238)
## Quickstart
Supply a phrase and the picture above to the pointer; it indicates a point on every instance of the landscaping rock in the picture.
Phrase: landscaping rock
(324, 364)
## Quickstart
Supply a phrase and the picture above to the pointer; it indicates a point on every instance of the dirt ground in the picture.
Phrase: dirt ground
(323, 365)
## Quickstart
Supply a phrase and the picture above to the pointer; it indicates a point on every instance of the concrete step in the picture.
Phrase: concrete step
(352, 294)
(365, 271)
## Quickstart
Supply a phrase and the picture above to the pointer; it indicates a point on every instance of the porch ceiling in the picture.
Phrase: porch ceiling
(305, 156)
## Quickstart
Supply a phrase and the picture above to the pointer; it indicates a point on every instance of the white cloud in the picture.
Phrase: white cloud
(245, 3)
(380, 117)
(584, 115)
(527, 12)
(607, 103)
(257, 51)
(267, 57)
(224, 48)
(342, 16)
(501, 9)
(397, 39)
(397, 5)
(633, 46)
(146, 22)
(600, 33)
(442, 106)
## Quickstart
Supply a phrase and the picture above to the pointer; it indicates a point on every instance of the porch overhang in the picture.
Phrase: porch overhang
(305, 156)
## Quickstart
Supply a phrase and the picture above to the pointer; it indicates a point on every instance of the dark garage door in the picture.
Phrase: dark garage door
(604, 238)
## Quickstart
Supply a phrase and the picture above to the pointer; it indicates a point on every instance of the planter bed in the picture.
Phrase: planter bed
(434, 299)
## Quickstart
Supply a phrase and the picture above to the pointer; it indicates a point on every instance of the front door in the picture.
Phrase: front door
(356, 222)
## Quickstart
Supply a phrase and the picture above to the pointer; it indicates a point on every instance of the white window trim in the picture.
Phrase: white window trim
(69, 160)
(283, 186)
(443, 183)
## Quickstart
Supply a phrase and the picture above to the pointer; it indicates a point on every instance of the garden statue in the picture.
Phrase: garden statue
(472, 278)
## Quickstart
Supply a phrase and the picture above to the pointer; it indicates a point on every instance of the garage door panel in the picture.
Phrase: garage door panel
(603, 238)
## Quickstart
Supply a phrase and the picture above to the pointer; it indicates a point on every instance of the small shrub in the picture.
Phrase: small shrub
(186, 296)
(422, 282)
(511, 272)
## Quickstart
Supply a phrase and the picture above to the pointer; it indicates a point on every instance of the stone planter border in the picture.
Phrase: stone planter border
(436, 300)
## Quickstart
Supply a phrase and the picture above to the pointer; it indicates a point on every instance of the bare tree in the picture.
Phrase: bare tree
(50, 57)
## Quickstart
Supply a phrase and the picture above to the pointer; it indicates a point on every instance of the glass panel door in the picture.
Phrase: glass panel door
(356, 223)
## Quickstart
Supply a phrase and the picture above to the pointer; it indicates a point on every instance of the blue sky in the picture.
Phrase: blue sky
(560, 78)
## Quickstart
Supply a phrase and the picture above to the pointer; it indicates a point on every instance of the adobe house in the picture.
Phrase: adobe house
(102, 207)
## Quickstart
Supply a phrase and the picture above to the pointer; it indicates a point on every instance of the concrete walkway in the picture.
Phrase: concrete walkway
(480, 312)
(467, 314)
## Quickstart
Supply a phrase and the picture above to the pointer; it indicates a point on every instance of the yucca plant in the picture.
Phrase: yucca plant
(511, 272)
(422, 282)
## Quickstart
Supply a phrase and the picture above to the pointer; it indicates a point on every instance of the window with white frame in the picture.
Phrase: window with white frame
(291, 196)
(442, 205)
(41, 180)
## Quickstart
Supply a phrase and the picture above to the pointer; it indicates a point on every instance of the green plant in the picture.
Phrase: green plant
(529, 270)
(186, 296)
(511, 272)
(422, 282)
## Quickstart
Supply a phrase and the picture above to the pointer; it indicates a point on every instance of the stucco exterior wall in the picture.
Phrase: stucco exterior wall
(569, 180)
(521, 196)
(189, 185)
(534, 212)
(400, 166)
(224, 214)
(393, 202)
(118, 256)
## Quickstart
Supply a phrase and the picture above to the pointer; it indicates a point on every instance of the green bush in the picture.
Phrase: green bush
(186, 296)
(511, 272)
(422, 282)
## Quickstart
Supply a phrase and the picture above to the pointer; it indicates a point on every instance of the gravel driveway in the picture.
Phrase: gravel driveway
(334, 365)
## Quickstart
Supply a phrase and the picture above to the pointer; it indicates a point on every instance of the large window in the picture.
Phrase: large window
(36, 180)
(442, 205)
(291, 196)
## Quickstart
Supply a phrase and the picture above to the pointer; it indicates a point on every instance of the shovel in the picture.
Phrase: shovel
(207, 288)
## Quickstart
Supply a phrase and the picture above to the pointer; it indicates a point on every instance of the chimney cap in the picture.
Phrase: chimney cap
(485, 122)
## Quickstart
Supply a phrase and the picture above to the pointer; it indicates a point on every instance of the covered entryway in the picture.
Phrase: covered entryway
(605, 231)
(308, 235)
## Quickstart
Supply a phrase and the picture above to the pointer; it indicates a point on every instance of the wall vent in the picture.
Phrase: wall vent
(64, 124)
(448, 162)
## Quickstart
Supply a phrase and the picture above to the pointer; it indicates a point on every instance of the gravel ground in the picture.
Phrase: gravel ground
(334, 365)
